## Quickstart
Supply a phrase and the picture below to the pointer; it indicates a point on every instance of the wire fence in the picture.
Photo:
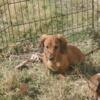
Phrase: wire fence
(27, 19)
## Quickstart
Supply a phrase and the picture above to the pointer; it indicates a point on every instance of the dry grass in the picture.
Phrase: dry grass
(39, 84)
(45, 16)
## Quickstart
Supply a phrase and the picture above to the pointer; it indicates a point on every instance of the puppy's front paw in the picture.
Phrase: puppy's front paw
(61, 77)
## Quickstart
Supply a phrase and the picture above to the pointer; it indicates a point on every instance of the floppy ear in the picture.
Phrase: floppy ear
(63, 43)
(41, 42)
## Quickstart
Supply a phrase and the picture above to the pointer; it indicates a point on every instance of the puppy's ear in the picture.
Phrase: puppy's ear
(63, 43)
(41, 42)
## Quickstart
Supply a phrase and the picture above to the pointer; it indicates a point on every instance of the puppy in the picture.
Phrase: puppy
(94, 85)
(57, 54)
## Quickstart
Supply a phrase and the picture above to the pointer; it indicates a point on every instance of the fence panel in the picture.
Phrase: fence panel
(28, 19)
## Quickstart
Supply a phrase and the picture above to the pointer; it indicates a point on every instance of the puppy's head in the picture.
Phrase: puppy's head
(53, 45)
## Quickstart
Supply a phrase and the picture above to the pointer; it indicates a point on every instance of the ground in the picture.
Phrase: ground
(36, 83)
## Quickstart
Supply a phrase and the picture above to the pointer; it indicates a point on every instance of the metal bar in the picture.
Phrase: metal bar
(4, 29)
(22, 15)
(39, 16)
(97, 15)
(61, 13)
(16, 19)
(93, 16)
(10, 21)
(45, 16)
(67, 12)
(77, 14)
(28, 18)
(9, 35)
(87, 15)
(51, 16)
(3, 4)
(79, 26)
(16, 2)
(72, 15)
(85, 26)
(7, 3)
(33, 10)
(4, 35)
(64, 30)
(82, 15)
(56, 15)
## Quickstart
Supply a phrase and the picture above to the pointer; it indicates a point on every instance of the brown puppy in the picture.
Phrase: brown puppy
(94, 85)
(57, 54)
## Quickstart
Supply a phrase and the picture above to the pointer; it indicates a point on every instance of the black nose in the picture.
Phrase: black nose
(51, 58)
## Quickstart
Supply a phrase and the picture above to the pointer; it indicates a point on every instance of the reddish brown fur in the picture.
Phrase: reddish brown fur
(57, 54)
(94, 85)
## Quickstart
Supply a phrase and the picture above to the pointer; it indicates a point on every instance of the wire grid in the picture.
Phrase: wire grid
(28, 19)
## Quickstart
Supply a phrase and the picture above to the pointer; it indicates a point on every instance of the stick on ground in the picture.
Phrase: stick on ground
(37, 57)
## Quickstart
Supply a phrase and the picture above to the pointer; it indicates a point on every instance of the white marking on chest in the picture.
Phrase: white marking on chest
(98, 98)
(98, 74)
(49, 63)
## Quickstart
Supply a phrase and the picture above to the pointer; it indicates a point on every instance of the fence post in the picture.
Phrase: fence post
(93, 16)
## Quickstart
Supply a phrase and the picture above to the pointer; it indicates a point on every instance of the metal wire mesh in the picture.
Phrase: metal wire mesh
(27, 19)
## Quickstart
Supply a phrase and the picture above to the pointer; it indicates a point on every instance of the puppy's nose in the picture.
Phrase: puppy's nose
(51, 58)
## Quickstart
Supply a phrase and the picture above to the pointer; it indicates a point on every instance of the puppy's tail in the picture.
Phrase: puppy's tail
(92, 51)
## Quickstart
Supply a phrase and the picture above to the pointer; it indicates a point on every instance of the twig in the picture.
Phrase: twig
(37, 57)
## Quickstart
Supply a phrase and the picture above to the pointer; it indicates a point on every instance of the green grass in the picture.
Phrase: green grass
(42, 85)
(53, 19)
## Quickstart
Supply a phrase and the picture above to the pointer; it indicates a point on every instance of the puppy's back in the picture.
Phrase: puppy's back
(75, 55)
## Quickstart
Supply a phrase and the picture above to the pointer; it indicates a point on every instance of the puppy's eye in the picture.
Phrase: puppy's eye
(56, 47)
(47, 47)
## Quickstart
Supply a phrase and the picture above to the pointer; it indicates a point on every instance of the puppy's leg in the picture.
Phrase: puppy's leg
(61, 77)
